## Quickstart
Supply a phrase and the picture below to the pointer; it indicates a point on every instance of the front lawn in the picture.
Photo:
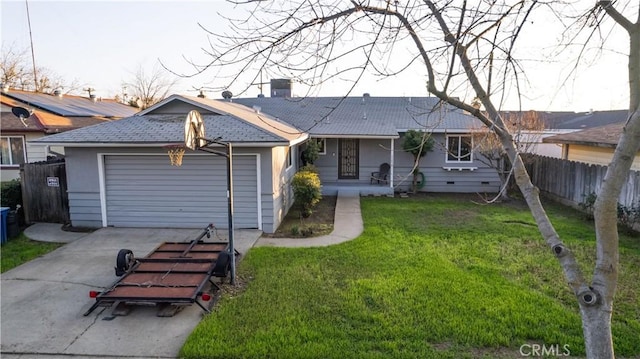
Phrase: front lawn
(433, 277)
(21, 249)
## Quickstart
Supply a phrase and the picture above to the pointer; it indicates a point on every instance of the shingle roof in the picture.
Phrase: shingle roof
(162, 129)
(603, 136)
(40, 120)
(363, 116)
(71, 106)
(249, 115)
(564, 120)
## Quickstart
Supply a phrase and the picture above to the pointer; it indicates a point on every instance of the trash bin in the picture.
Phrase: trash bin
(13, 229)
(3, 229)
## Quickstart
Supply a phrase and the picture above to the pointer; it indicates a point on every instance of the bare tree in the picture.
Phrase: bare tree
(526, 128)
(13, 67)
(17, 73)
(458, 46)
(148, 88)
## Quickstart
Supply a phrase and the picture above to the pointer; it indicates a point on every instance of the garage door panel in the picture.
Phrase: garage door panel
(146, 191)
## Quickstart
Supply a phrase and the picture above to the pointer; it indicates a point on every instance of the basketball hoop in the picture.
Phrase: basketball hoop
(175, 153)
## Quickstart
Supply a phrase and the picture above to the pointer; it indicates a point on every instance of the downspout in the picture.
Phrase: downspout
(392, 164)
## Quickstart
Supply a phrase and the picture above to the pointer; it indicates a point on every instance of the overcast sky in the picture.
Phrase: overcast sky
(100, 43)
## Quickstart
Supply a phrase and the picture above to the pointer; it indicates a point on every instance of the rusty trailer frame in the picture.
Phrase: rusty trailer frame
(174, 273)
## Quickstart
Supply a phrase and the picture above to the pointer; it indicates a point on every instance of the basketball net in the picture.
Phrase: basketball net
(175, 154)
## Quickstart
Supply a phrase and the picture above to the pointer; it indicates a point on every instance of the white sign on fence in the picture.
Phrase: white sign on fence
(53, 181)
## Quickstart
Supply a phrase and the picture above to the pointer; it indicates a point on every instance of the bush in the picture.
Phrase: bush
(307, 191)
(309, 168)
(311, 152)
(11, 194)
(628, 217)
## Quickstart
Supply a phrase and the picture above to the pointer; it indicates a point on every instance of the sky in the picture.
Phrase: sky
(101, 43)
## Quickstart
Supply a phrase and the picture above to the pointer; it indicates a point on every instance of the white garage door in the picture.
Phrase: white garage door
(146, 191)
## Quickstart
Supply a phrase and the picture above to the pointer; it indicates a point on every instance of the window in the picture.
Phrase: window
(289, 157)
(459, 149)
(322, 146)
(13, 153)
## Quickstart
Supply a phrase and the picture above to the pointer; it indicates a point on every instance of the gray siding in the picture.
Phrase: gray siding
(433, 165)
(280, 196)
(179, 107)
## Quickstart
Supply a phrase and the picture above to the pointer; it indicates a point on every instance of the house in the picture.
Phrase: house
(49, 114)
(594, 145)
(119, 173)
(358, 134)
(557, 123)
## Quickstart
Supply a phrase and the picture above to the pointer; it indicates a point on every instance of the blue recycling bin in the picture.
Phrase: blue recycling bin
(5, 212)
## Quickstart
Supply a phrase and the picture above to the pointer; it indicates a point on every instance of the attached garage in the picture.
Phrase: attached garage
(119, 174)
(140, 190)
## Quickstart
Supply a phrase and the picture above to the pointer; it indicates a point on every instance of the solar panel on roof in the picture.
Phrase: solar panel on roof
(75, 106)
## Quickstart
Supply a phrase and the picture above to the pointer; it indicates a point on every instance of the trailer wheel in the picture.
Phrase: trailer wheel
(124, 261)
(223, 264)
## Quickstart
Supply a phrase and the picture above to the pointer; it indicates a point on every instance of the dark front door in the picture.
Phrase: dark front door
(348, 160)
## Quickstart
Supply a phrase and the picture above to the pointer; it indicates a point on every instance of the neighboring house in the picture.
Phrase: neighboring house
(358, 134)
(50, 114)
(557, 123)
(119, 174)
(595, 145)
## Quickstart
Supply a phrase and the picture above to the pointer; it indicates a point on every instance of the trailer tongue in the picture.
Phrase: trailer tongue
(175, 273)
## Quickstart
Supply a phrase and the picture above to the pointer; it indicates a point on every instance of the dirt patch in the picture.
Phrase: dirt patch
(320, 222)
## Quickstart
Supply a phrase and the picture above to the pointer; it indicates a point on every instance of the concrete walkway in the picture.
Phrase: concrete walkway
(347, 225)
(52, 232)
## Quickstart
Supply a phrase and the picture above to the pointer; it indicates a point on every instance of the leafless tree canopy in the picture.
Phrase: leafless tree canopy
(317, 41)
(148, 86)
(17, 73)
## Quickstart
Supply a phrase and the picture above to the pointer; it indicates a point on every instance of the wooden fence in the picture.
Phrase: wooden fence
(573, 181)
(44, 192)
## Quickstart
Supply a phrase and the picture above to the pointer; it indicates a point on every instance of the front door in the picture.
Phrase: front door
(348, 158)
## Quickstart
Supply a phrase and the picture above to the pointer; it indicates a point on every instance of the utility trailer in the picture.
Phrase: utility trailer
(173, 274)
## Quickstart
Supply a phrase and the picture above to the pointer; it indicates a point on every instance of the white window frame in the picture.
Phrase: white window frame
(24, 151)
(457, 151)
(289, 158)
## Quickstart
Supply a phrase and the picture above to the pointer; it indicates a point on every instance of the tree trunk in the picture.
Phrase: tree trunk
(596, 329)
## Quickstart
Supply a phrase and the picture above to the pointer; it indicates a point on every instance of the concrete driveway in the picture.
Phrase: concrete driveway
(43, 301)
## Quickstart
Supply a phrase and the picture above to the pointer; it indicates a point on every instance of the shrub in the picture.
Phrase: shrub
(309, 168)
(311, 152)
(307, 191)
(628, 217)
(11, 194)
(588, 203)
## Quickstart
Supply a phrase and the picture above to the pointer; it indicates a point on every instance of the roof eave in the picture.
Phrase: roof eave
(581, 143)
(147, 144)
(372, 137)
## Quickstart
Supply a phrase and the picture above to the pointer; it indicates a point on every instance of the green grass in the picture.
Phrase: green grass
(434, 277)
(21, 249)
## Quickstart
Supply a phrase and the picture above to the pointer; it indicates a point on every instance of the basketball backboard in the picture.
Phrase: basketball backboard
(194, 135)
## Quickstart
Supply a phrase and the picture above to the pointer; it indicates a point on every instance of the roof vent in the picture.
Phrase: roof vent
(202, 95)
(257, 109)
(366, 94)
(57, 92)
(93, 98)
(5, 88)
(226, 94)
(260, 95)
